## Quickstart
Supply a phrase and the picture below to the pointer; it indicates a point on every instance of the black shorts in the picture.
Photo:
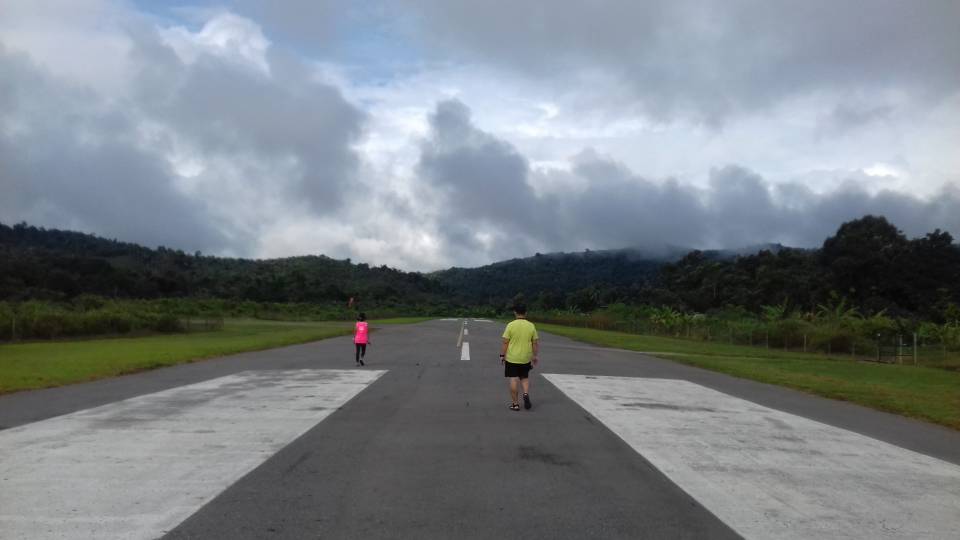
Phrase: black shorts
(516, 370)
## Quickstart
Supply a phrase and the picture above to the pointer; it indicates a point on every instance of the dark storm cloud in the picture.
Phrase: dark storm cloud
(69, 160)
(487, 193)
(478, 182)
(846, 117)
(619, 208)
(474, 171)
(705, 59)
(73, 158)
(227, 110)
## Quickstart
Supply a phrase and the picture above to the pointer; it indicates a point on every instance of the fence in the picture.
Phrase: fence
(903, 349)
(205, 324)
(71, 325)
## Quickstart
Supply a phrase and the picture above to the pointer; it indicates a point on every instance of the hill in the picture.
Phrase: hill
(868, 265)
(37, 263)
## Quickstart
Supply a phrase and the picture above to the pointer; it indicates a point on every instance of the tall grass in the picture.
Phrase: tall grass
(835, 330)
(89, 315)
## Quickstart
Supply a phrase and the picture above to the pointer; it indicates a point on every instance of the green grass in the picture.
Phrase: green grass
(919, 392)
(27, 366)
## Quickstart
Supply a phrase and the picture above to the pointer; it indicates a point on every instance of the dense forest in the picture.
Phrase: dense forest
(868, 264)
(49, 264)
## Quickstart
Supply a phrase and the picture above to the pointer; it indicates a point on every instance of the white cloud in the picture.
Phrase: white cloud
(80, 42)
(265, 125)
(226, 36)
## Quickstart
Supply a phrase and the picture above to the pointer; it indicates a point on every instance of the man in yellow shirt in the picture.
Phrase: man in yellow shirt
(519, 353)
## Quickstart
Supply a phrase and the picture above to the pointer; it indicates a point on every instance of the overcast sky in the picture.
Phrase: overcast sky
(433, 133)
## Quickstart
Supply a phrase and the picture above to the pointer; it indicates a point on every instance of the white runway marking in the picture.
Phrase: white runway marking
(482, 320)
(465, 351)
(770, 474)
(466, 331)
(138, 467)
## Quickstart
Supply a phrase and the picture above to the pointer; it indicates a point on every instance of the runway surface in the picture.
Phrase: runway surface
(298, 443)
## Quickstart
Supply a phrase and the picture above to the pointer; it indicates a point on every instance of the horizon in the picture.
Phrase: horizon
(432, 135)
(662, 253)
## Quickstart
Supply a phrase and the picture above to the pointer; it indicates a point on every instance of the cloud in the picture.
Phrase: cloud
(480, 176)
(490, 210)
(706, 60)
(429, 134)
(69, 160)
(232, 97)
(212, 138)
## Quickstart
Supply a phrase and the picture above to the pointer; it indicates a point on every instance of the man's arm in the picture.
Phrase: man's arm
(503, 349)
(536, 351)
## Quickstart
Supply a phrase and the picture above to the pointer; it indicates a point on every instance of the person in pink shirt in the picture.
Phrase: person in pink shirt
(361, 337)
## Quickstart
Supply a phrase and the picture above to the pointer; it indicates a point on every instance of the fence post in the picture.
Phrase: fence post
(804, 343)
(899, 349)
(915, 360)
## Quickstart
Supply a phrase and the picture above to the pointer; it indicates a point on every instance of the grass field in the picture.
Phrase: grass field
(26, 366)
(919, 392)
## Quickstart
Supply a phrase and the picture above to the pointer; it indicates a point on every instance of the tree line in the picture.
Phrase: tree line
(868, 264)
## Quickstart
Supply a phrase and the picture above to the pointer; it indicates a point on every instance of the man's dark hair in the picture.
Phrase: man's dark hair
(520, 309)
(362, 316)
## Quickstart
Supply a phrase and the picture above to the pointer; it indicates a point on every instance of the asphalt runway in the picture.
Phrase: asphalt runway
(298, 443)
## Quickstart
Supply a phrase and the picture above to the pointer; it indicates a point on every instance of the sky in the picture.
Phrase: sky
(436, 133)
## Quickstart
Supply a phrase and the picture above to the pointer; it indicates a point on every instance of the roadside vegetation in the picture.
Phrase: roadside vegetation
(806, 318)
(919, 392)
(26, 366)
(834, 329)
(91, 315)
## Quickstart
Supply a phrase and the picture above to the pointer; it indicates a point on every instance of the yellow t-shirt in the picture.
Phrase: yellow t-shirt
(521, 333)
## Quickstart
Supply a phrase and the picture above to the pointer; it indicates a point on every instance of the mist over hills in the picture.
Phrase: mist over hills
(868, 262)
(58, 264)
(550, 277)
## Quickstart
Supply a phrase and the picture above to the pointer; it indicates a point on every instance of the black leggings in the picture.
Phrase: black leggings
(361, 350)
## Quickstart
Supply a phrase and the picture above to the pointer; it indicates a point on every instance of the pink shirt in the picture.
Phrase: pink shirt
(360, 334)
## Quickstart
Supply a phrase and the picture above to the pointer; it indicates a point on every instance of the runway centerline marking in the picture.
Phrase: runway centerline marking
(138, 467)
(465, 351)
(460, 334)
(771, 474)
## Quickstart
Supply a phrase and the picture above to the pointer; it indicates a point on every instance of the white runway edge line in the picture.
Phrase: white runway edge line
(139, 467)
(770, 474)
(465, 351)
